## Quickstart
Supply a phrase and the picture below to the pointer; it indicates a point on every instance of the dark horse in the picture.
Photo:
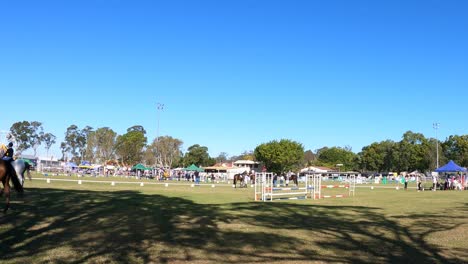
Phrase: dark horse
(293, 178)
(239, 178)
(252, 178)
(7, 173)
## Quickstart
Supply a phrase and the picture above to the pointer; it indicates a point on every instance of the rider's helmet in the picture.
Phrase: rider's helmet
(10, 144)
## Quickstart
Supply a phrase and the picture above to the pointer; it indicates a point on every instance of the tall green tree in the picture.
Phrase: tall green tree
(377, 157)
(26, 134)
(75, 142)
(309, 158)
(412, 152)
(49, 140)
(280, 156)
(63, 150)
(101, 145)
(37, 137)
(164, 151)
(198, 155)
(130, 146)
(337, 155)
(456, 149)
(222, 157)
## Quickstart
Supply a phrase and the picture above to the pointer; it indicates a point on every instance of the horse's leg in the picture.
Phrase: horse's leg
(7, 195)
(23, 169)
(21, 178)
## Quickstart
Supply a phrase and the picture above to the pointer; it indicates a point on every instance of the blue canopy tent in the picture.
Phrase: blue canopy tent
(453, 167)
(450, 167)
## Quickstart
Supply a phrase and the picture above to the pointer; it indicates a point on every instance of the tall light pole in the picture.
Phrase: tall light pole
(159, 107)
(436, 127)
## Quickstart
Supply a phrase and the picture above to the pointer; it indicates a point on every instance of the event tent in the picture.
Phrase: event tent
(140, 166)
(450, 167)
(193, 168)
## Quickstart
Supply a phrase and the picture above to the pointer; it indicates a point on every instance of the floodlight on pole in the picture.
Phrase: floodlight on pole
(436, 127)
(160, 107)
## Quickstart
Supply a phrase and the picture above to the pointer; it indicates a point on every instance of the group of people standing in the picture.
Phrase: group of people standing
(450, 183)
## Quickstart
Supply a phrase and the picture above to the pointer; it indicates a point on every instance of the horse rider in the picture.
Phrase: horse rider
(8, 156)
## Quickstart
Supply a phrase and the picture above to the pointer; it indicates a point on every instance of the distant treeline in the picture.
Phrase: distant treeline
(413, 152)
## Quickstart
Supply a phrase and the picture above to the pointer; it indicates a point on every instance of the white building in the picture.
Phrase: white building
(249, 165)
(49, 164)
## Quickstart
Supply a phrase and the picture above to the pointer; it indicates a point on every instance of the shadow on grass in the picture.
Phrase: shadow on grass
(70, 226)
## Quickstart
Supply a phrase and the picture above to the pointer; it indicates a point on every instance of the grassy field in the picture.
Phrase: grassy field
(63, 222)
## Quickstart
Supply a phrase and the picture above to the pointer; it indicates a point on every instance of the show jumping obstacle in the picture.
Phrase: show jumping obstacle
(316, 188)
(266, 189)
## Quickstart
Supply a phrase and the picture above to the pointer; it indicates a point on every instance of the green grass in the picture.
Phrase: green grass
(63, 222)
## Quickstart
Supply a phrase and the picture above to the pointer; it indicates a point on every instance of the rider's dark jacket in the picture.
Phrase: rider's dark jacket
(9, 152)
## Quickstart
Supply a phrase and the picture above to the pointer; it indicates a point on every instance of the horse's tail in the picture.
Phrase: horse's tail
(27, 167)
(16, 181)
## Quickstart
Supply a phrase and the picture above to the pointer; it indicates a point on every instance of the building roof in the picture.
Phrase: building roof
(246, 162)
(218, 168)
(225, 165)
(317, 169)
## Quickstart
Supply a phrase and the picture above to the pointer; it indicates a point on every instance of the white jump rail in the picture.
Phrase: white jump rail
(140, 183)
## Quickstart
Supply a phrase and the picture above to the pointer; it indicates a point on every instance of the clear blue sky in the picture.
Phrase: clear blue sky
(234, 74)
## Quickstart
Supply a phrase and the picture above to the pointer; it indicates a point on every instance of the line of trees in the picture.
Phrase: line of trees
(102, 145)
(412, 152)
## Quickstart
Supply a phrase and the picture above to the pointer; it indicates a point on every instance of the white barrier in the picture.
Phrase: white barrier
(265, 189)
(113, 183)
(316, 190)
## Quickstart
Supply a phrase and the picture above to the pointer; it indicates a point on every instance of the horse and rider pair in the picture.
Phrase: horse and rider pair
(13, 170)
(19, 165)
